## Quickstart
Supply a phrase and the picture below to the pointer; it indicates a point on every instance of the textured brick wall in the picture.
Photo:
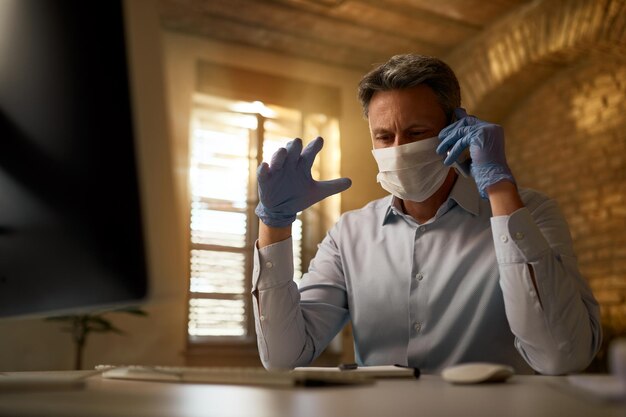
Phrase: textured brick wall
(568, 139)
(553, 73)
(497, 68)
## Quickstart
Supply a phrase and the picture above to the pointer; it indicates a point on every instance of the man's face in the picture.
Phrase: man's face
(398, 117)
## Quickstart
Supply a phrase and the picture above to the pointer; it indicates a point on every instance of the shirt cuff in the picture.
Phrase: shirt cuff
(517, 239)
(273, 265)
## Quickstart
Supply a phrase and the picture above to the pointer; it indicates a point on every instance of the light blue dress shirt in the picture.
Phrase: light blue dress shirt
(455, 289)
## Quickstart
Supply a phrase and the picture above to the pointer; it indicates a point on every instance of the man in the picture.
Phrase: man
(445, 270)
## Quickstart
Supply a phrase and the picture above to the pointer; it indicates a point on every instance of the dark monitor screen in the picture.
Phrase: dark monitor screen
(70, 224)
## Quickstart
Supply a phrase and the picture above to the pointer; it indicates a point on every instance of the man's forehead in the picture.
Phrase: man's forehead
(414, 103)
(420, 95)
(405, 109)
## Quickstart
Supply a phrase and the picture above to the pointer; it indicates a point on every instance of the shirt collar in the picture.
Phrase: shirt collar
(464, 193)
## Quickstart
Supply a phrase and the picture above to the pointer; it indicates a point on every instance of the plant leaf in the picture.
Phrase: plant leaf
(98, 324)
(131, 310)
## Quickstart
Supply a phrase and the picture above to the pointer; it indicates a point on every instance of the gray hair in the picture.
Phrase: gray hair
(410, 70)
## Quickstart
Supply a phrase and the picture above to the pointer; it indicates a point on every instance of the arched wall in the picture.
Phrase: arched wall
(554, 75)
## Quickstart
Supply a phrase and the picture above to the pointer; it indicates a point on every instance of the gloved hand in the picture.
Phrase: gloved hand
(486, 144)
(286, 186)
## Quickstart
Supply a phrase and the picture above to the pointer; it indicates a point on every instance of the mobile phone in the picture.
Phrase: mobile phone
(464, 161)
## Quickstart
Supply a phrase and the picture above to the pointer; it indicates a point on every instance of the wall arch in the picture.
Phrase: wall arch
(497, 68)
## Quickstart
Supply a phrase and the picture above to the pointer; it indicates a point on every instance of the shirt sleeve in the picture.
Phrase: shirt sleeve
(556, 323)
(293, 329)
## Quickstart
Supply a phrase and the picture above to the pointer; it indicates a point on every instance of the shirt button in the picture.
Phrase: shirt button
(268, 264)
(417, 326)
(504, 238)
(419, 276)
(262, 318)
(519, 236)
(422, 228)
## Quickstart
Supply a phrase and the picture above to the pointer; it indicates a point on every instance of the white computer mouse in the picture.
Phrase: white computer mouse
(477, 372)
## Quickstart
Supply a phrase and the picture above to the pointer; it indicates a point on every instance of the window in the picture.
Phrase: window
(229, 139)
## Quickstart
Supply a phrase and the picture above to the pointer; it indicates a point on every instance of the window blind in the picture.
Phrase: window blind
(228, 140)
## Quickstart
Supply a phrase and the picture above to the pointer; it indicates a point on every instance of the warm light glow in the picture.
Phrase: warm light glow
(221, 179)
(256, 107)
(209, 317)
(595, 113)
(219, 165)
(212, 272)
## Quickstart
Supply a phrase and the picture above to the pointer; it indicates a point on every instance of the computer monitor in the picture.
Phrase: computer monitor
(72, 217)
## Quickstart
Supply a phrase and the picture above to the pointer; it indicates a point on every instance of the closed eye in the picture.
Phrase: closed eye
(384, 138)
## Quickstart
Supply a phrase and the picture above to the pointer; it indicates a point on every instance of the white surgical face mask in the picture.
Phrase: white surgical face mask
(413, 171)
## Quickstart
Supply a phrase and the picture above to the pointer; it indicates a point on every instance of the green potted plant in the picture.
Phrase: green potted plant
(81, 325)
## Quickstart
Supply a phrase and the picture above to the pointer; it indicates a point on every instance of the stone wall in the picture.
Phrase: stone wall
(568, 139)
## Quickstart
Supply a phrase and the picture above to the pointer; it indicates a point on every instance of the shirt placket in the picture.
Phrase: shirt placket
(418, 297)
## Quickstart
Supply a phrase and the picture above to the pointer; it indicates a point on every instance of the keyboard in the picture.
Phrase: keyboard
(233, 375)
(45, 380)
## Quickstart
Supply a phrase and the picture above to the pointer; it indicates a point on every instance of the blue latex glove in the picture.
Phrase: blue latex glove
(286, 186)
(486, 144)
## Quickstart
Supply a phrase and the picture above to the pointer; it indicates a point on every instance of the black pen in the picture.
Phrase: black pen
(416, 371)
(348, 366)
(353, 366)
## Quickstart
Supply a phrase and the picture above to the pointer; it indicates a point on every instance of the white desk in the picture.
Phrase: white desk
(429, 396)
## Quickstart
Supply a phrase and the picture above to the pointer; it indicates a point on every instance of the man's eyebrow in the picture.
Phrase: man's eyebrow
(416, 123)
(412, 125)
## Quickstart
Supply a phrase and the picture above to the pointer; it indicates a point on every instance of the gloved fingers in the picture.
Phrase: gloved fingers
(463, 119)
(262, 171)
(330, 187)
(278, 159)
(451, 137)
(294, 149)
(453, 126)
(311, 150)
(456, 150)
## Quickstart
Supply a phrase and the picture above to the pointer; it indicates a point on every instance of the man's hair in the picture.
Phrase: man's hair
(409, 70)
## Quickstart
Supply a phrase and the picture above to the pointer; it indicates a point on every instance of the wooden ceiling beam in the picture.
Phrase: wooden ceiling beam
(350, 33)
(400, 22)
(279, 16)
(232, 31)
